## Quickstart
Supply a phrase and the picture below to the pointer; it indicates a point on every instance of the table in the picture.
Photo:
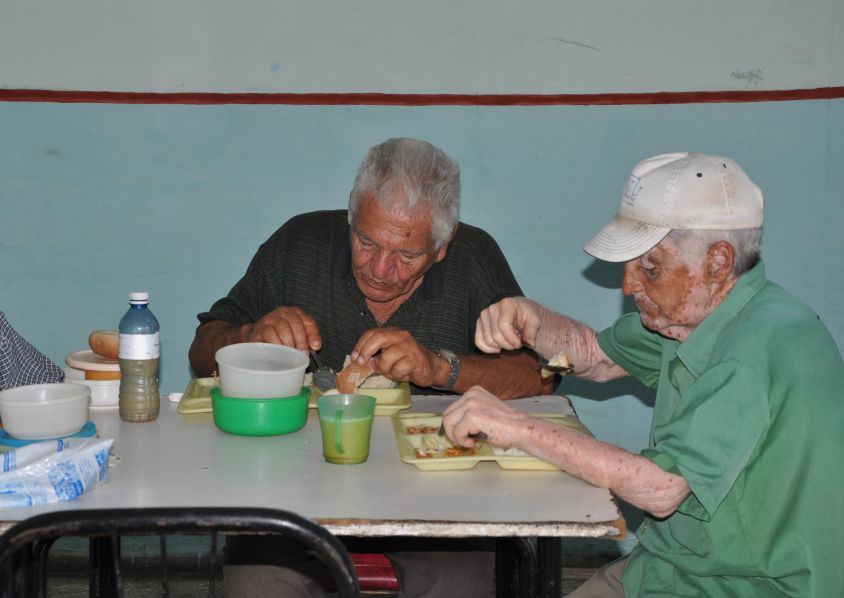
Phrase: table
(185, 461)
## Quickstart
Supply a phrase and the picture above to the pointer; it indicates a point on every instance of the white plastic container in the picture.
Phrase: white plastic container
(43, 411)
(260, 370)
(104, 393)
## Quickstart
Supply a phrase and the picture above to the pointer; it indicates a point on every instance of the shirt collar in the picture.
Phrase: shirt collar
(695, 351)
(433, 281)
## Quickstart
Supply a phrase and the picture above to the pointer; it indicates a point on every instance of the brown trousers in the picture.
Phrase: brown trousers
(605, 583)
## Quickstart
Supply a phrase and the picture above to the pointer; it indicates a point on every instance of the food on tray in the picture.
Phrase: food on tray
(354, 376)
(510, 452)
(105, 343)
(422, 429)
(432, 447)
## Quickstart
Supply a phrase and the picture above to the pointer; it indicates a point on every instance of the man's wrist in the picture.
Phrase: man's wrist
(453, 361)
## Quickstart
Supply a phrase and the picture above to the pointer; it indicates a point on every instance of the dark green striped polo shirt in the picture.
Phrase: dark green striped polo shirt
(307, 263)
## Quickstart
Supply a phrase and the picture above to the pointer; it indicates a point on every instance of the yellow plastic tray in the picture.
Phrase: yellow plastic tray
(388, 401)
(408, 443)
(197, 396)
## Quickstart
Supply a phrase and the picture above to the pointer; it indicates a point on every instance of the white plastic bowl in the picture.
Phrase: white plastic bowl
(43, 411)
(104, 393)
(260, 370)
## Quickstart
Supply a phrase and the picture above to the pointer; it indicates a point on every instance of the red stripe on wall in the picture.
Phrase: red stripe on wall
(400, 99)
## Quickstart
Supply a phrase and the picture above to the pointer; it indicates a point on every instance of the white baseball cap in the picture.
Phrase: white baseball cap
(681, 190)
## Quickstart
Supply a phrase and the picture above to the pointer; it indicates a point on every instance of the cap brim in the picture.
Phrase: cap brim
(623, 239)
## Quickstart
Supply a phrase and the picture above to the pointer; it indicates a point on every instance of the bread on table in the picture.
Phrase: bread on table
(105, 343)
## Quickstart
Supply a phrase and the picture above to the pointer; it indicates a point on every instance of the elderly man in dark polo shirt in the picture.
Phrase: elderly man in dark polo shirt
(396, 281)
(397, 278)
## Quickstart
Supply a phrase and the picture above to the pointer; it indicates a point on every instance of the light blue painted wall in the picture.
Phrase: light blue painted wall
(98, 200)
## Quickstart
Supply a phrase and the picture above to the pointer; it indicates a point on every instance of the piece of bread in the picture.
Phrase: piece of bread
(373, 380)
(560, 359)
(105, 343)
(352, 376)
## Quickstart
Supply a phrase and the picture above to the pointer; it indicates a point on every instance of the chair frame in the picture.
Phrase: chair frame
(25, 546)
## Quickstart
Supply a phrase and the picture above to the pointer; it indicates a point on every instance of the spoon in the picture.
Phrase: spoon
(324, 377)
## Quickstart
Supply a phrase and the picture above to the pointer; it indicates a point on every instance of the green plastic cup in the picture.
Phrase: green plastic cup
(346, 423)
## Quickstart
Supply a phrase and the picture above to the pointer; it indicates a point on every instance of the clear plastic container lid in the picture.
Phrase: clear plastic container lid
(139, 297)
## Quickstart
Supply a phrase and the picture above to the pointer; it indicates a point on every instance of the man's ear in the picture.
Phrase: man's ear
(444, 248)
(720, 258)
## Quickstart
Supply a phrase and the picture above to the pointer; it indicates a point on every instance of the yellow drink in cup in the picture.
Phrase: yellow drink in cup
(346, 423)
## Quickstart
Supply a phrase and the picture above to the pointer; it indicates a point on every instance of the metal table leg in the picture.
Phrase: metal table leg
(104, 557)
(549, 556)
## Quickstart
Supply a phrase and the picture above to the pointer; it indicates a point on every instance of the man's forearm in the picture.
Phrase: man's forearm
(632, 477)
(210, 337)
(559, 333)
(508, 375)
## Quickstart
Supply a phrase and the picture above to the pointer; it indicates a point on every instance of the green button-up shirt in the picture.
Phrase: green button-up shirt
(750, 411)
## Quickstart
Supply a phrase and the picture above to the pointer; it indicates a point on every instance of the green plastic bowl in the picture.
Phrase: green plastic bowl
(260, 417)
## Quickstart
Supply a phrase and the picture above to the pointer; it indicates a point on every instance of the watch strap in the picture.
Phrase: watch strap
(454, 361)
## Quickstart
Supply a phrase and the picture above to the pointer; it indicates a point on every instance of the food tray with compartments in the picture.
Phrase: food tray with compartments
(197, 396)
(388, 401)
(420, 444)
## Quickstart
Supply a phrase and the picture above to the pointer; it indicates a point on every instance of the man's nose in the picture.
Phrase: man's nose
(381, 264)
(630, 282)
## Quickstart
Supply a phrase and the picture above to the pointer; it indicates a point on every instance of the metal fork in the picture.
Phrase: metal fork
(478, 436)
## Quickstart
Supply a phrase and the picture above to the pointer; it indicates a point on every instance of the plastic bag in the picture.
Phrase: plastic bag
(53, 470)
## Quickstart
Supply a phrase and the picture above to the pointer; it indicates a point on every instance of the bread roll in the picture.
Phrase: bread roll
(105, 343)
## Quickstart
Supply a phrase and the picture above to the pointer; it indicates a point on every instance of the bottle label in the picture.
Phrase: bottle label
(139, 346)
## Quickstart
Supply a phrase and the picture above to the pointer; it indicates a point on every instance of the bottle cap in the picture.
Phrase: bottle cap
(139, 297)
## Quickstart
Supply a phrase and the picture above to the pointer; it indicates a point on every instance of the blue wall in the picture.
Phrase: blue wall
(98, 200)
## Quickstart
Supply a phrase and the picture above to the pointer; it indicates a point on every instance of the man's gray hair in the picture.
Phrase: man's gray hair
(411, 171)
(747, 243)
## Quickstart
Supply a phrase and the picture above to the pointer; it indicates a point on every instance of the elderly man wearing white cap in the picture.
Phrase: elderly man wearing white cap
(741, 484)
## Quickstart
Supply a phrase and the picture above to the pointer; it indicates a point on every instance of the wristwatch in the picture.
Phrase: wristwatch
(454, 361)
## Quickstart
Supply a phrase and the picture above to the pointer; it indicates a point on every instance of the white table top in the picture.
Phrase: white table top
(185, 461)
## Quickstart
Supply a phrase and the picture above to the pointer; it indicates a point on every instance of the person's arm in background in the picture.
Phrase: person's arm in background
(509, 375)
(21, 363)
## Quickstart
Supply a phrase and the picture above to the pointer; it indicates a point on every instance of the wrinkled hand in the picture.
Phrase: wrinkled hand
(289, 326)
(509, 324)
(397, 356)
(478, 410)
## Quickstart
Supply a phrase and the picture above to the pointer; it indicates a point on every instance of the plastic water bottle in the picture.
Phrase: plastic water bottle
(139, 356)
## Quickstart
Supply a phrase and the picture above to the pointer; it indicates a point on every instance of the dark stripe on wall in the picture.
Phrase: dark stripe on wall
(399, 99)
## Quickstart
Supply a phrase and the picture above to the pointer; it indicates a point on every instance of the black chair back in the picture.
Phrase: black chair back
(24, 548)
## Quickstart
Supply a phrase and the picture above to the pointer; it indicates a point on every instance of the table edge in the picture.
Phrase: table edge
(614, 530)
